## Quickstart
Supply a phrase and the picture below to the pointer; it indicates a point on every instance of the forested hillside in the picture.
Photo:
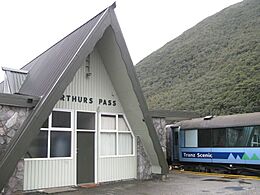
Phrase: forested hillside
(212, 68)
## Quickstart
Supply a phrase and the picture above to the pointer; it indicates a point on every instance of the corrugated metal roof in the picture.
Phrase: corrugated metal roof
(235, 120)
(13, 80)
(46, 69)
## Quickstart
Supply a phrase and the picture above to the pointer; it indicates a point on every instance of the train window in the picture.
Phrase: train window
(237, 137)
(204, 138)
(191, 138)
(223, 137)
(218, 137)
(255, 141)
(240, 137)
(176, 139)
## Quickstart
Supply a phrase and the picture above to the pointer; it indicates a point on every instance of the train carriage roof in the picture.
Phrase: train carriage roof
(236, 120)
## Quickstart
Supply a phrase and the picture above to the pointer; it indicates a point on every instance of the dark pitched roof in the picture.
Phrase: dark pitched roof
(46, 69)
(51, 72)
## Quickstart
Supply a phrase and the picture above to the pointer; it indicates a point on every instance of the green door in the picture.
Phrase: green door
(85, 157)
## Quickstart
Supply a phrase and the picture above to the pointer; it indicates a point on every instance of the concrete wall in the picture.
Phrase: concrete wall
(11, 118)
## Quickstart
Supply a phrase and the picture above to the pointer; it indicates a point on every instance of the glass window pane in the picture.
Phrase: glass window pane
(125, 144)
(108, 144)
(245, 137)
(46, 123)
(204, 138)
(255, 141)
(218, 137)
(234, 136)
(182, 138)
(122, 126)
(61, 119)
(60, 144)
(240, 136)
(191, 138)
(38, 147)
(108, 122)
(86, 120)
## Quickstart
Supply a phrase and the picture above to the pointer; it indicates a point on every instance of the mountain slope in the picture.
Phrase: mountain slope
(213, 68)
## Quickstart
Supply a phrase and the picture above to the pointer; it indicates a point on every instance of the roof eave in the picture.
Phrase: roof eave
(18, 100)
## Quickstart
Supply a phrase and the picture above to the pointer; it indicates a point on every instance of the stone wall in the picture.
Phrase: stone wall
(11, 119)
(144, 167)
(159, 125)
(15, 184)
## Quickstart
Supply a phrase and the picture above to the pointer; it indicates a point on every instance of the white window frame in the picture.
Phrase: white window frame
(50, 128)
(117, 132)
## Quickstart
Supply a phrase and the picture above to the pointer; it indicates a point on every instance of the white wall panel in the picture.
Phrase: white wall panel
(117, 168)
(48, 173)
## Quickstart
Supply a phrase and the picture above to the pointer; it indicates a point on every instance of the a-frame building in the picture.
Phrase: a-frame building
(89, 112)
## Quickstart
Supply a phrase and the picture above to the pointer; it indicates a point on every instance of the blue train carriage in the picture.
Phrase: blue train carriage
(231, 142)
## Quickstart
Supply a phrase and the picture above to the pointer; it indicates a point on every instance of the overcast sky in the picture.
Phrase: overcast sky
(29, 27)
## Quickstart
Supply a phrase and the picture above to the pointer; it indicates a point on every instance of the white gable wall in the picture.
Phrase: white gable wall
(94, 93)
(97, 86)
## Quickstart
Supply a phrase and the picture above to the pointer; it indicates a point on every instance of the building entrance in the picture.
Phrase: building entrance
(85, 157)
(85, 125)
